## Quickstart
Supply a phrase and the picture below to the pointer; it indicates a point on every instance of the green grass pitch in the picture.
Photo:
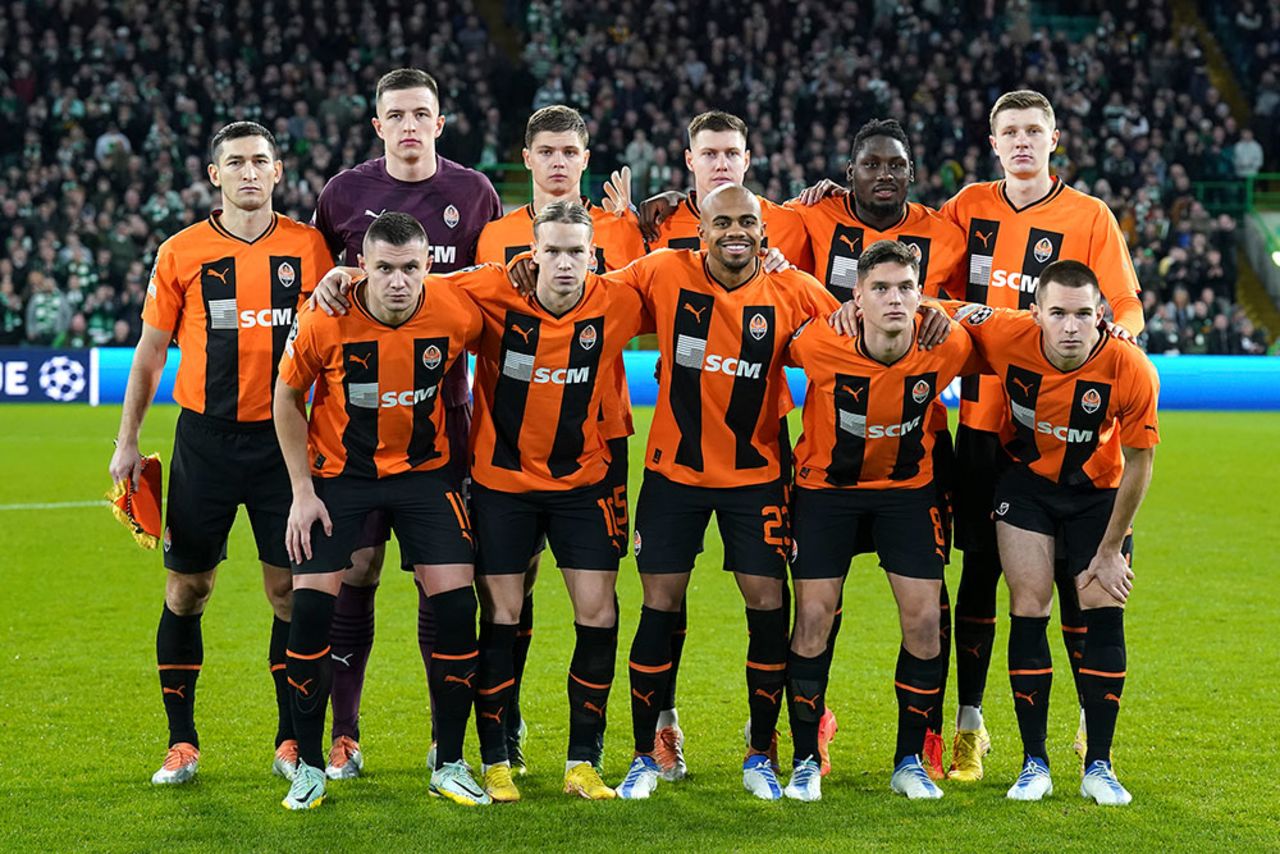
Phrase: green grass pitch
(81, 725)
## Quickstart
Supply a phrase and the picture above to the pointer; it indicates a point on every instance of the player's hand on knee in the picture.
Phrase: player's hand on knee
(330, 294)
(935, 326)
(305, 512)
(819, 191)
(126, 464)
(774, 260)
(617, 192)
(1111, 572)
(844, 320)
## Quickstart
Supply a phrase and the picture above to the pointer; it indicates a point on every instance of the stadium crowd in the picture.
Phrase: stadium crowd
(105, 109)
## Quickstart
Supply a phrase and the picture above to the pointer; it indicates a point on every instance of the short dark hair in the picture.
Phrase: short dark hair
(887, 252)
(568, 211)
(555, 119)
(395, 229)
(1069, 274)
(406, 78)
(715, 121)
(878, 127)
(239, 130)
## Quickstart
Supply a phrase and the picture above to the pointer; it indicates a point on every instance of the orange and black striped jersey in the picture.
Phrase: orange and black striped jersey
(229, 303)
(376, 410)
(1008, 247)
(1067, 426)
(618, 242)
(783, 230)
(837, 238)
(541, 380)
(867, 424)
(721, 385)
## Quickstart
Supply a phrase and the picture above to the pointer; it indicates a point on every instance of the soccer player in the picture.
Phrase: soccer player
(556, 155)
(713, 446)
(376, 440)
(542, 466)
(453, 204)
(717, 156)
(1081, 429)
(1015, 228)
(226, 289)
(864, 464)
(841, 222)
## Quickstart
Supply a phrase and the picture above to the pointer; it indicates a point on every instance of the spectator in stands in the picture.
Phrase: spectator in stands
(1247, 155)
(48, 314)
(12, 316)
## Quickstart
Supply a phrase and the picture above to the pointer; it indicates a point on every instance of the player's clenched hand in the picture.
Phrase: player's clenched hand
(1112, 572)
(654, 210)
(774, 260)
(844, 320)
(330, 294)
(617, 192)
(126, 463)
(935, 327)
(305, 512)
(523, 274)
(819, 191)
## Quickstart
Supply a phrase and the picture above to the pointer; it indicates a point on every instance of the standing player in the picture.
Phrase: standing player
(865, 464)
(541, 465)
(713, 447)
(453, 204)
(874, 207)
(226, 289)
(1083, 431)
(556, 155)
(1015, 228)
(376, 441)
(717, 156)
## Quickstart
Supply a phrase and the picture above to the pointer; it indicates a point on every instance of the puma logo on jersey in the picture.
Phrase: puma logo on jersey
(855, 393)
(852, 244)
(1026, 388)
(370, 213)
(985, 238)
(523, 333)
(363, 360)
(696, 312)
(220, 275)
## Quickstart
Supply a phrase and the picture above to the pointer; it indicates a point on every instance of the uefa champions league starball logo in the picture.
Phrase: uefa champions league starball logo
(62, 379)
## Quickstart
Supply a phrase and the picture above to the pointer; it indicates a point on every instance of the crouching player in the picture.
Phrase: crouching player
(1082, 433)
(540, 465)
(376, 441)
(865, 464)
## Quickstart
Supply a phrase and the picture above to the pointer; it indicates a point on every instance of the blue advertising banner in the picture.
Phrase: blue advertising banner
(100, 376)
(38, 375)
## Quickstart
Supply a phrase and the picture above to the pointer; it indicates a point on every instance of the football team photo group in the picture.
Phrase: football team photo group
(324, 386)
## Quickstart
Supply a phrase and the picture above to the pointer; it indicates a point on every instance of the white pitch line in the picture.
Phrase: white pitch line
(54, 505)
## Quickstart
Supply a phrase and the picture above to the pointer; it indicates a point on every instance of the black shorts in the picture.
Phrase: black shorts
(580, 525)
(457, 425)
(672, 517)
(906, 524)
(426, 511)
(1077, 516)
(944, 462)
(218, 465)
(980, 459)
